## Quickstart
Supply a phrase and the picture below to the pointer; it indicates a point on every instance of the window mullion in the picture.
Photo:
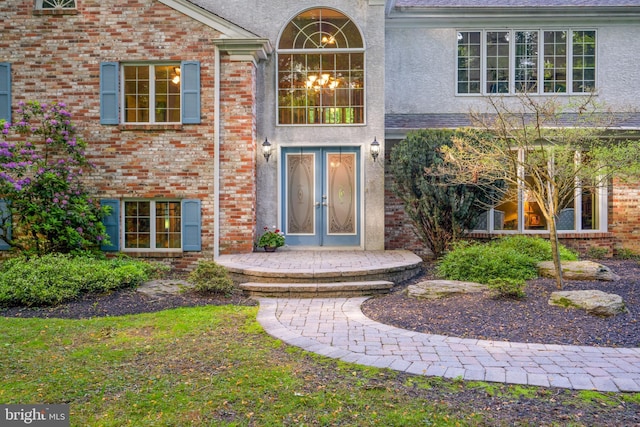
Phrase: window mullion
(570, 61)
(152, 225)
(540, 59)
(152, 94)
(512, 61)
(483, 62)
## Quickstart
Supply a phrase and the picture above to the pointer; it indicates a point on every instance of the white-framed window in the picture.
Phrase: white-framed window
(584, 210)
(152, 225)
(55, 4)
(321, 70)
(151, 93)
(525, 60)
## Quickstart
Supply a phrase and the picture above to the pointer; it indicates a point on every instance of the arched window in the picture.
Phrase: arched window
(55, 4)
(320, 70)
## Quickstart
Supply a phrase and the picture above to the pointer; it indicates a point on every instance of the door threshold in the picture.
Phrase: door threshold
(321, 248)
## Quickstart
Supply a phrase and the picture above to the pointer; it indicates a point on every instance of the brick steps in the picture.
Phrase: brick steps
(316, 290)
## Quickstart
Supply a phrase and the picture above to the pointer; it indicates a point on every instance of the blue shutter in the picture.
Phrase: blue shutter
(191, 226)
(5, 216)
(190, 72)
(112, 224)
(109, 93)
(5, 91)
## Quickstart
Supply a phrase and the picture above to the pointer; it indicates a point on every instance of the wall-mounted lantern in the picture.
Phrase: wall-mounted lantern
(375, 149)
(266, 149)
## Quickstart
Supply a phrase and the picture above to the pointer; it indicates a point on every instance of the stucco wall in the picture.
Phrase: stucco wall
(370, 20)
(421, 68)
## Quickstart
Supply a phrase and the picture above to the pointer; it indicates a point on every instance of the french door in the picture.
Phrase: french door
(321, 196)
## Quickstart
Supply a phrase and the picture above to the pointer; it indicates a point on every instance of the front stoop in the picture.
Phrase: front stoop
(316, 290)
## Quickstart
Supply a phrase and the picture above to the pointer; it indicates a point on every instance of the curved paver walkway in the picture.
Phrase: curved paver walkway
(337, 328)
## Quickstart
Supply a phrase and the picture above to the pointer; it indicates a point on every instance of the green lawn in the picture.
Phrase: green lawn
(216, 366)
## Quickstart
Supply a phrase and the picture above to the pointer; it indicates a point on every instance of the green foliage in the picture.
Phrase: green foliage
(210, 277)
(441, 209)
(624, 253)
(512, 258)
(56, 278)
(41, 167)
(596, 252)
(506, 287)
(535, 247)
(483, 262)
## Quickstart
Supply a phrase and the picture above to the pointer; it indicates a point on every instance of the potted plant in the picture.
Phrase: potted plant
(271, 239)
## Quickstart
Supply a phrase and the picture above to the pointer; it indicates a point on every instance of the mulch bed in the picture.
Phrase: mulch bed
(479, 316)
(530, 320)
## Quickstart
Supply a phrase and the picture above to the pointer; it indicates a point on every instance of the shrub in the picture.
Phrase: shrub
(596, 252)
(440, 207)
(506, 258)
(56, 278)
(210, 277)
(482, 262)
(509, 288)
(624, 253)
(535, 247)
(42, 164)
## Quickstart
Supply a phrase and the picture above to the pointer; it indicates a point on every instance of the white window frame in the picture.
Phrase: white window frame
(56, 4)
(152, 91)
(602, 206)
(152, 226)
(512, 64)
(333, 74)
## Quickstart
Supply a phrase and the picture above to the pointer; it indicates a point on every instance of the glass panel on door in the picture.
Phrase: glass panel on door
(321, 202)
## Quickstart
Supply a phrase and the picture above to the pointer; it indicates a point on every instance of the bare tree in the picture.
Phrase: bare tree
(543, 150)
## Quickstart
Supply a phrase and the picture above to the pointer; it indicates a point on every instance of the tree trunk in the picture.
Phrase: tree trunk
(555, 251)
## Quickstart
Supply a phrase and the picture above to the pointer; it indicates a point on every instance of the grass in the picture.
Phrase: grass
(216, 366)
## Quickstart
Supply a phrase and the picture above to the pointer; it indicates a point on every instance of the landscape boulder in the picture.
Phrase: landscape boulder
(595, 302)
(435, 289)
(578, 270)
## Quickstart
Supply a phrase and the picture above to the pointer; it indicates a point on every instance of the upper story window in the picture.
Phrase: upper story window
(55, 4)
(526, 61)
(151, 93)
(321, 70)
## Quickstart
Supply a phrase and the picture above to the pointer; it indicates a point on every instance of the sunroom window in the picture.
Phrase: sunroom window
(583, 209)
(526, 61)
(320, 70)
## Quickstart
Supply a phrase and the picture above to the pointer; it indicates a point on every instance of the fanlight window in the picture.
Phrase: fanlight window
(321, 70)
(55, 4)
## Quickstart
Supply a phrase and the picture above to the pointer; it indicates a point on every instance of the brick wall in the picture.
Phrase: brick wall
(237, 158)
(624, 215)
(57, 58)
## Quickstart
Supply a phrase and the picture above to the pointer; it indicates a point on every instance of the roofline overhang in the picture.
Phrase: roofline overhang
(227, 28)
(398, 17)
(253, 50)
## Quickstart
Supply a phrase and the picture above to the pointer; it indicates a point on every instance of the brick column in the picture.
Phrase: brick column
(237, 156)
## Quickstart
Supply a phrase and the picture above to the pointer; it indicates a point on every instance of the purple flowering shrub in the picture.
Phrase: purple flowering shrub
(42, 162)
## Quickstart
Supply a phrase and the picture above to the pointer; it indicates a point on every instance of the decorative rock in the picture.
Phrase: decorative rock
(435, 289)
(578, 270)
(594, 302)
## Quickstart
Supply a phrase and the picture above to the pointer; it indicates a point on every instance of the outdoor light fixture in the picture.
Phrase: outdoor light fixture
(266, 149)
(375, 149)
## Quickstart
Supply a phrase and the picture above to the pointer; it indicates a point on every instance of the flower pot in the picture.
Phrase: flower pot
(270, 248)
